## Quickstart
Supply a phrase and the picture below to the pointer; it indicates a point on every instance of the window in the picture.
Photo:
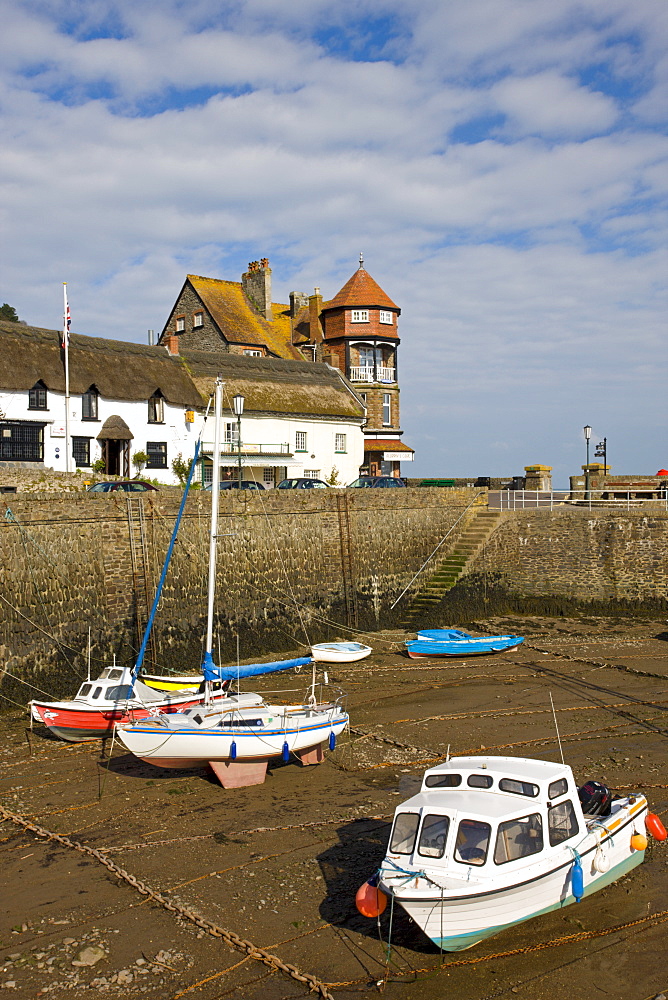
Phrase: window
(518, 838)
(433, 836)
(472, 842)
(387, 408)
(385, 317)
(339, 442)
(81, 452)
(268, 477)
(518, 787)
(557, 788)
(562, 822)
(403, 834)
(443, 780)
(252, 354)
(198, 319)
(37, 397)
(21, 442)
(362, 396)
(311, 473)
(300, 441)
(232, 433)
(360, 316)
(157, 454)
(156, 409)
(89, 404)
(479, 781)
(180, 324)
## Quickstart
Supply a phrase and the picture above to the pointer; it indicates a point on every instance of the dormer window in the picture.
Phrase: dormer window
(37, 397)
(360, 316)
(89, 404)
(198, 319)
(156, 409)
(385, 317)
(180, 324)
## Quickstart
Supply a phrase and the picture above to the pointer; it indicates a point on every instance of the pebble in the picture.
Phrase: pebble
(89, 956)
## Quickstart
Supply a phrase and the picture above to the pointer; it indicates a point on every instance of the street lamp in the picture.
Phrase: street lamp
(238, 407)
(587, 434)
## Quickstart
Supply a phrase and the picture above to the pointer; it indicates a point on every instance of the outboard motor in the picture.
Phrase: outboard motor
(595, 799)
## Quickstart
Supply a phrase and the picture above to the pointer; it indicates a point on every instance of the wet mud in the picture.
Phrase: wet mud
(279, 864)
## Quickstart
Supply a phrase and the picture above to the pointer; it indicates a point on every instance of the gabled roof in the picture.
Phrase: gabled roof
(119, 370)
(239, 323)
(361, 291)
(273, 385)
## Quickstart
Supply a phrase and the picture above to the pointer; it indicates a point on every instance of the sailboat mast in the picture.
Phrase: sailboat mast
(213, 531)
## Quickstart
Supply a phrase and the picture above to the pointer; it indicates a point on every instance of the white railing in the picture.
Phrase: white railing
(371, 374)
(232, 448)
(625, 499)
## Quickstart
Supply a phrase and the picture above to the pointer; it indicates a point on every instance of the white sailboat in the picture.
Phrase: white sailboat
(240, 733)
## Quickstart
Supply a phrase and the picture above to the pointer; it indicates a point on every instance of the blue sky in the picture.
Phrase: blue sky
(501, 164)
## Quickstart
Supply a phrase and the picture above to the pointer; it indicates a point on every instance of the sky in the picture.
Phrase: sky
(502, 165)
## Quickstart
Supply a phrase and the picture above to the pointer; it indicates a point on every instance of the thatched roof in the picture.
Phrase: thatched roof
(119, 370)
(116, 429)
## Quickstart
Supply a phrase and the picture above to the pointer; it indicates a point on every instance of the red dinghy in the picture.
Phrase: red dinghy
(99, 704)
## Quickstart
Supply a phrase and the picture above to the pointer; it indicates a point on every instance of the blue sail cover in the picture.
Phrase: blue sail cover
(213, 673)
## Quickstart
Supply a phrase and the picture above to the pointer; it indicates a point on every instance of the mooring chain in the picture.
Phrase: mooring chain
(241, 944)
(391, 742)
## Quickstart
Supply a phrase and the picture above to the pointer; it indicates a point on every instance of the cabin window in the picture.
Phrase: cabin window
(37, 397)
(112, 674)
(121, 692)
(433, 836)
(403, 834)
(472, 842)
(518, 838)
(97, 692)
(479, 781)
(562, 822)
(443, 780)
(518, 787)
(85, 689)
(557, 788)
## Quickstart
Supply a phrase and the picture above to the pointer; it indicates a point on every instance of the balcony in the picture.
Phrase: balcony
(370, 374)
(232, 448)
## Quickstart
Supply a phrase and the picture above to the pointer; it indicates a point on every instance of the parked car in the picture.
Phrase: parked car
(233, 484)
(122, 486)
(302, 484)
(377, 482)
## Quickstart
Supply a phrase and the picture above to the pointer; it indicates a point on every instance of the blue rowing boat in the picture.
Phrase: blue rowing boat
(453, 642)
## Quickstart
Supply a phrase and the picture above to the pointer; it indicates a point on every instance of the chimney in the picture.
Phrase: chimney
(171, 342)
(314, 311)
(256, 284)
(298, 300)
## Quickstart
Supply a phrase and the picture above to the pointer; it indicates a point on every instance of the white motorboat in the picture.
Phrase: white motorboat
(339, 652)
(489, 842)
(239, 733)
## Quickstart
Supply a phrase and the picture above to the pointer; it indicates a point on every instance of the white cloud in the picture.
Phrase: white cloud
(549, 104)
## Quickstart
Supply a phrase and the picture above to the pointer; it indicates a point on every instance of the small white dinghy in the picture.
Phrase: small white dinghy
(489, 842)
(339, 652)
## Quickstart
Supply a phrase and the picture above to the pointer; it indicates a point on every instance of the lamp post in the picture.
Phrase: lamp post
(587, 434)
(238, 407)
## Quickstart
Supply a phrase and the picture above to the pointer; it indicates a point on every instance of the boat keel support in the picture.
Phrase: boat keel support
(239, 774)
(313, 756)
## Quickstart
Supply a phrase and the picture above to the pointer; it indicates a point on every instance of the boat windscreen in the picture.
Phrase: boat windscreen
(433, 836)
(448, 780)
(472, 842)
(121, 692)
(403, 834)
(518, 838)
(518, 787)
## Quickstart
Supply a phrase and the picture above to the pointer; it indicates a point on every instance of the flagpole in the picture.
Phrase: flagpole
(66, 347)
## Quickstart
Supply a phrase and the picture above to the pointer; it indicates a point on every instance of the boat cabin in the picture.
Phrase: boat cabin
(113, 685)
(476, 814)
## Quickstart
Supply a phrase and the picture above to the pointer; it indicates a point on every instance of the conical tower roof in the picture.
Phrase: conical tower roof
(361, 291)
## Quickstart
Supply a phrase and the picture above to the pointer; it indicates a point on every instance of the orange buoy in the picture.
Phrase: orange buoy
(638, 842)
(655, 826)
(370, 901)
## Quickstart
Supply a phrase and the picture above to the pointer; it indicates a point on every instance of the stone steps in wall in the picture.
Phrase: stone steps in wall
(453, 565)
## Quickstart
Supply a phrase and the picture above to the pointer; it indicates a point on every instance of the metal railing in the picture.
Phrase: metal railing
(232, 448)
(371, 374)
(611, 497)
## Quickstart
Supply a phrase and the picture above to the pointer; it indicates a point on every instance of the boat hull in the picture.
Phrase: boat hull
(340, 652)
(455, 923)
(171, 683)
(156, 742)
(423, 647)
(74, 723)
